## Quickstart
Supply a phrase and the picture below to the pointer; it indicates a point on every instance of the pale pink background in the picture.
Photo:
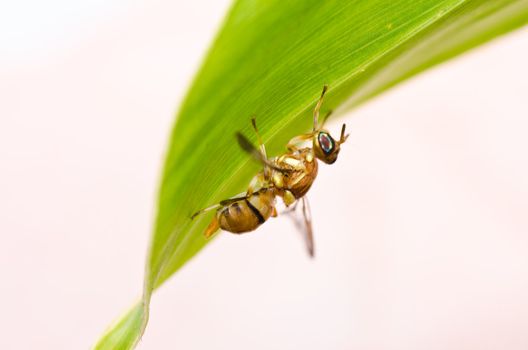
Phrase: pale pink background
(421, 225)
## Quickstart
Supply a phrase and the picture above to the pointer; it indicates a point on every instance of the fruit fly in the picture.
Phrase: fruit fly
(288, 176)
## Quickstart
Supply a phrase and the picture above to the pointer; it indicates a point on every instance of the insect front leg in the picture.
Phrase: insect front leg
(317, 108)
(326, 117)
(296, 142)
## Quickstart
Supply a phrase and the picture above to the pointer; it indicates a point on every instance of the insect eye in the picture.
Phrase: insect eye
(326, 142)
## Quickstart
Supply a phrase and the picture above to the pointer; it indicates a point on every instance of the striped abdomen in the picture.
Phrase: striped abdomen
(247, 214)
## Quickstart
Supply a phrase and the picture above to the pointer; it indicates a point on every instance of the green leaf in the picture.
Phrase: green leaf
(271, 59)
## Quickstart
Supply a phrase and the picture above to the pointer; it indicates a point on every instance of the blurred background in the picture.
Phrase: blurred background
(421, 226)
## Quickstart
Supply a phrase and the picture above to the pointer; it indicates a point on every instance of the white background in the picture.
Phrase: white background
(421, 226)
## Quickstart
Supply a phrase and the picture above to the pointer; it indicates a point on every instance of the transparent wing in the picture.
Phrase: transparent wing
(304, 224)
(307, 216)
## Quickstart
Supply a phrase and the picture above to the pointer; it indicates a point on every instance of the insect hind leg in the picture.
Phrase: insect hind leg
(205, 210)
(214, 225)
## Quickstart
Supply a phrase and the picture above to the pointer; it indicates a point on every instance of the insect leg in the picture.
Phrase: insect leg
(295, 142)
(325, 118)
(221, 204)
(212, 207)
(317, 108)
(214, 225)
(237, 198)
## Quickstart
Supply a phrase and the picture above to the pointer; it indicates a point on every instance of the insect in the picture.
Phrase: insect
(288, 176)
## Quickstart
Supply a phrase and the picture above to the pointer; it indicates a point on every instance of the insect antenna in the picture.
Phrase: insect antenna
(343, 136)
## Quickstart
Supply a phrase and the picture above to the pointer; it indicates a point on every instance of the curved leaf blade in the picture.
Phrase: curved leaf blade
(271, 59)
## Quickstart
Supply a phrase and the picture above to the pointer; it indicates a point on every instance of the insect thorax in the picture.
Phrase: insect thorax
(303, 171)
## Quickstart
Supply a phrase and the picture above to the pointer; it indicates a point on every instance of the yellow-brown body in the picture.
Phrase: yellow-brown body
(302, 171)
(289, 176)
(244, 214)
